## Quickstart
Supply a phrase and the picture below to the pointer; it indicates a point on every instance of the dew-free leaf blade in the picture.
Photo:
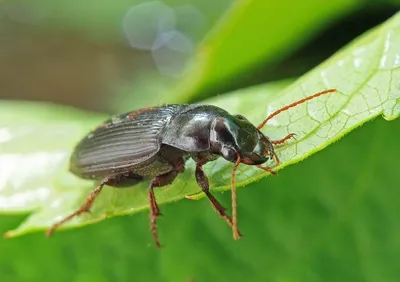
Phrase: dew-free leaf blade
(366, 74)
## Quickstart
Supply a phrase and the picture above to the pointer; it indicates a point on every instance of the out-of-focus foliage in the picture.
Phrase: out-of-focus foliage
(218, 55)
(330, 218)
(100, 19)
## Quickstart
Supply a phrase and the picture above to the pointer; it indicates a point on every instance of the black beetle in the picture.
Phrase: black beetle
(154, 143)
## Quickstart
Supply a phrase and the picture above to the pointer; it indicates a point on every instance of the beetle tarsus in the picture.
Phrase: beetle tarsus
(85, 208)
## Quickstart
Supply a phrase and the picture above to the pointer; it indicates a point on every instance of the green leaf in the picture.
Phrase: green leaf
(254, 31)
(36, 140)
(332, 218)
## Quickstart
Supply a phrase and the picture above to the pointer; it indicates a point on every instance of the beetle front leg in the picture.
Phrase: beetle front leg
(158, 181)
(202, 180)
(283, 140)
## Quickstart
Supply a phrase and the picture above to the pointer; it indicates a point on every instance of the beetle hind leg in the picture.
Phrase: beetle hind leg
(123, 180)
(83, 209)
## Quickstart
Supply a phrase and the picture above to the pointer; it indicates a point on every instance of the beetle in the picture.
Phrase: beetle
(154, 144)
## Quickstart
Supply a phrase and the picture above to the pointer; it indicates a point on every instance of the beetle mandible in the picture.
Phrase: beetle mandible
(154, 144)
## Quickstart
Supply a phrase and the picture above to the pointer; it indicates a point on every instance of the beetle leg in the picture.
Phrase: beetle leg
(235, 230)
(268, 169)
(84, 208)
(283, 140)
(158, 181)
(202, 180)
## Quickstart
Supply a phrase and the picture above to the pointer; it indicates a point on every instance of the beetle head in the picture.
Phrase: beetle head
(233, 136)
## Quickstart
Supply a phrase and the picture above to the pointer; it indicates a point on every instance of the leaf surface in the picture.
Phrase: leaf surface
(36, 140)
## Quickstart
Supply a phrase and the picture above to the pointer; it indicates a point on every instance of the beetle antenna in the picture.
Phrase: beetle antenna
(235, 231)
(277, 112)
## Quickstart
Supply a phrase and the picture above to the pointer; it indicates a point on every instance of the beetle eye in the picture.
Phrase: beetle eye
(240, 117)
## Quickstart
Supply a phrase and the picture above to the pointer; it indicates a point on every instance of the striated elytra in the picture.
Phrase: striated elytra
(153, 144)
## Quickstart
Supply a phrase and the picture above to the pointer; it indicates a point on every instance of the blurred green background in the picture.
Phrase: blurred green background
(332, 218)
